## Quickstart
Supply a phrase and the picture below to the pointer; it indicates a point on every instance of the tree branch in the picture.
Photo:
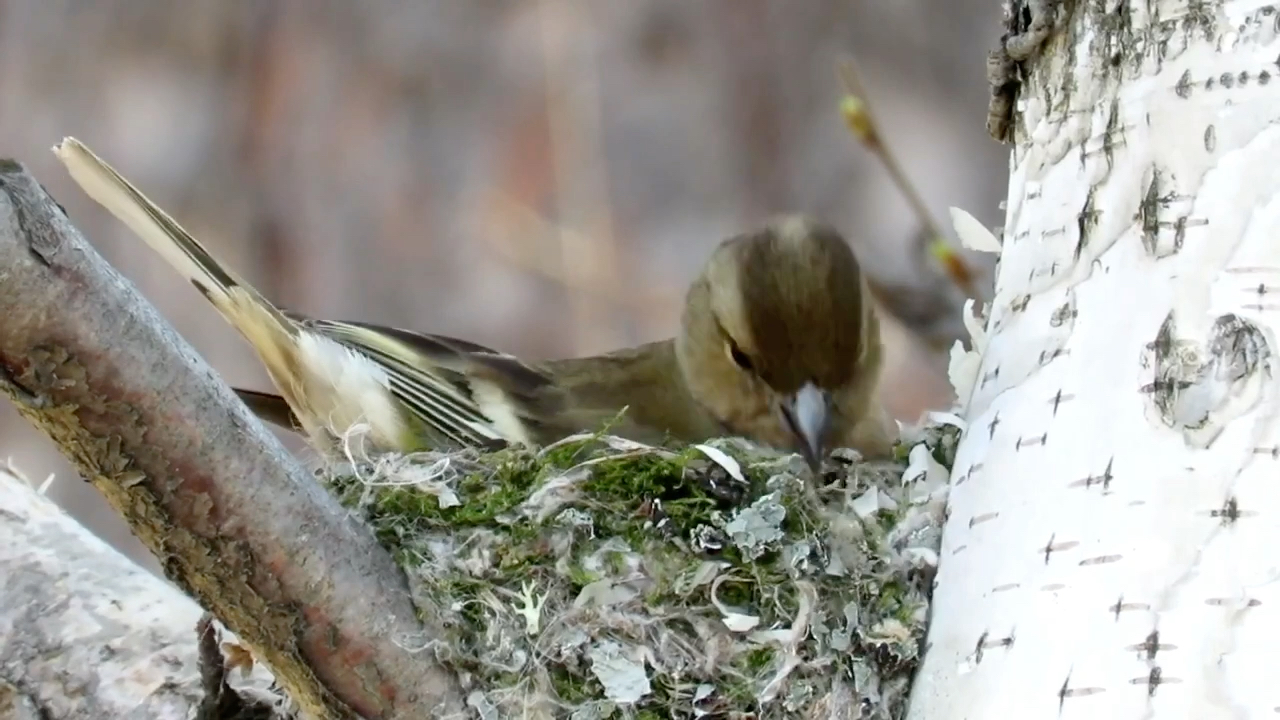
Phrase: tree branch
(235, 521)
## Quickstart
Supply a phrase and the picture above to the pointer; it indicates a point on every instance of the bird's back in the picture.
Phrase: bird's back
(646, 380)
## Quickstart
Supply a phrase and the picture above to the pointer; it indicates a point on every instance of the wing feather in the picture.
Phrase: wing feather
(466, 393)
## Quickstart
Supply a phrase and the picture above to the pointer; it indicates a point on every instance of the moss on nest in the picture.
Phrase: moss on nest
(601, 578)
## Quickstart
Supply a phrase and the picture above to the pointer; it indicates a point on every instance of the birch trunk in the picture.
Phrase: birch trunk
(1111, 545)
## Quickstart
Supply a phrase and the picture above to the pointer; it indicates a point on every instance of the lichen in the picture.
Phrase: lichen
(601, 578)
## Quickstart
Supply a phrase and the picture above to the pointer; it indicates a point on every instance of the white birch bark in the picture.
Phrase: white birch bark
(1114, 528)
(85, 634)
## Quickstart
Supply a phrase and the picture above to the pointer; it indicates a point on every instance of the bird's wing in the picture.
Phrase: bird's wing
(462, 392)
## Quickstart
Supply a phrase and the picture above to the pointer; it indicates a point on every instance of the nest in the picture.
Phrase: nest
(601, 578)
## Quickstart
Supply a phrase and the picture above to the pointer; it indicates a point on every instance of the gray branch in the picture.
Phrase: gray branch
(235, 521)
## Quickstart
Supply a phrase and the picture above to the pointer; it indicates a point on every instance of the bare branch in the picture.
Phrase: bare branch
(235, 521)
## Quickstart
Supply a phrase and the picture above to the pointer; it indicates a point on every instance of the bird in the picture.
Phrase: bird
(779, 343)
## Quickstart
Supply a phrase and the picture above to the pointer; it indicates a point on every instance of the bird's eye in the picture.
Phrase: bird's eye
(739, 358)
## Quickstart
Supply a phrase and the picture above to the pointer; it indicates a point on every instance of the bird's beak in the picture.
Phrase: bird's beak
(806, 414)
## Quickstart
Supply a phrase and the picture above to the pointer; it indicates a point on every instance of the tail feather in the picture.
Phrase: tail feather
(108, 188)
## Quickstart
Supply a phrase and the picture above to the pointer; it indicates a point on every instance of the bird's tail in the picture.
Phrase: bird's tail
(109, 189)
(271, 333)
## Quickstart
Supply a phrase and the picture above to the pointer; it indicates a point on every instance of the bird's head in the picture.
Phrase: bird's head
(779, 339)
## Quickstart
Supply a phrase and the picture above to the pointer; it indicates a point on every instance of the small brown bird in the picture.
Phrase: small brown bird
(778, 343)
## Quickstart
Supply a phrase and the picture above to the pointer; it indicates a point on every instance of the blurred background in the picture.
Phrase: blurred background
(541, 176)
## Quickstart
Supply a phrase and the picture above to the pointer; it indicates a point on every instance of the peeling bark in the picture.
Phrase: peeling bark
(1114, 503)
(235, 521)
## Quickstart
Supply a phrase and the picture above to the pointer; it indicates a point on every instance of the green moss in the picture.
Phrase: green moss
(630, 478)
(890, 597)
(571, 688)
(759, 659)
(580, 577)
(566, 454)
(741, 593)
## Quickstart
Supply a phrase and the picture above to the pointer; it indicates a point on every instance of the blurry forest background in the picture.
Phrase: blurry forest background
(541, 176)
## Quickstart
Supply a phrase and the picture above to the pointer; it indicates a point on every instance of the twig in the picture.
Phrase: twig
(235, 521)
(856, 108)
